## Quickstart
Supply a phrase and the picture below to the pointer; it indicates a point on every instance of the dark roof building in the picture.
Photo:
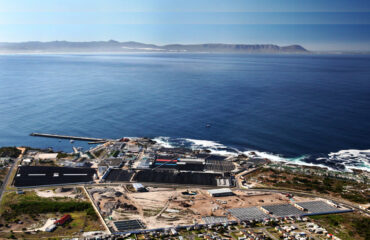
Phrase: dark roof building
(28, 176)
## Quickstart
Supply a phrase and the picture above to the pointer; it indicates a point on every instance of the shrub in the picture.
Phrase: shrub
(9, 152)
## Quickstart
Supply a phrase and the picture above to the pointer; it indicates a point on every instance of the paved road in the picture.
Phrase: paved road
(5, 183)
(6, 180)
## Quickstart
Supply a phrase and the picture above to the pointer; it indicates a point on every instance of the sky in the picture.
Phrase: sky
(321, 25)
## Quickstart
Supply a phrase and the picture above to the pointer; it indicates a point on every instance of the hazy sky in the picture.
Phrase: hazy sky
(315, 24)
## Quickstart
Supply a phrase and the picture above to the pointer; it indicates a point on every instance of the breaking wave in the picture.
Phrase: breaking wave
(344, 160)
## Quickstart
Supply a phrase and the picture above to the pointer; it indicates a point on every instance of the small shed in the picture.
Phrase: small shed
(63, 220)
(139, 187)
(50, 228)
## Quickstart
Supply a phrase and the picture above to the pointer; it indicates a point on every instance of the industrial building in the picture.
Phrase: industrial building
(286, 210)
(117, 175)
(182, 164)
(220, 192)
(175, 177)
(122, 226)
(251, 213)
(319, 207)
(214, 220)
(28, 176)
(46, 156)
(282, 210)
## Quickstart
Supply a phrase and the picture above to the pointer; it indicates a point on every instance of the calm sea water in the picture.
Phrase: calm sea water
(281, 104)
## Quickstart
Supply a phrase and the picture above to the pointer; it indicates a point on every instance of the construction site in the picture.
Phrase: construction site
(124, 208)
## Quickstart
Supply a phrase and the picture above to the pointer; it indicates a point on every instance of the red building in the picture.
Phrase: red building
(63, 220)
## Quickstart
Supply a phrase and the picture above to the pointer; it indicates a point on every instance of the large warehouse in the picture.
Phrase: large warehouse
(28, 176)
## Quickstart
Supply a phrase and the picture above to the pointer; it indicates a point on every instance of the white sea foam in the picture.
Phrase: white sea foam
(164, 142)
(272, 157)
(349, 159)
(214, 147)
(204, 143)
(352, 159)
(277, 158)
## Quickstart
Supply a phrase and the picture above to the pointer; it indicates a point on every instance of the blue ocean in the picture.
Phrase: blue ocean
(305, 109)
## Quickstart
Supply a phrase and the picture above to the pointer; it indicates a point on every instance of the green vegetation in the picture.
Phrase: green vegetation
(342, 188)
(46, 162)
(3, 173)
(80, 223)
(12, 152)
(32, 210)
(45, 206)
(29, 203)
(346, 226)
(62, 155)
(99, 153)
(358, 198)
(115, 153)
(90, 155)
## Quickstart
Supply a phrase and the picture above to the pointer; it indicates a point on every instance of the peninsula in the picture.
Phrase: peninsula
(127, 47)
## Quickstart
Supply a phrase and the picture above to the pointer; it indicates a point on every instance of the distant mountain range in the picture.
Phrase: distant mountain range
(124, 47)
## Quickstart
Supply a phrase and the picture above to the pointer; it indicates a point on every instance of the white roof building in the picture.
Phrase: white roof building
(43, 156)
(220, 192)
(138, 186)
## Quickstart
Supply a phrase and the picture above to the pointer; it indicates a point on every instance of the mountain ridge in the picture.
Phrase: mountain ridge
(113, 46)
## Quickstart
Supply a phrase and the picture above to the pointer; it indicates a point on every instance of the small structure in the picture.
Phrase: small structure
(188, 192)
(173, 231)
(26, 161)
(223, 182)
(139, 187)
(102, 168)
(63, 220)
(19, 191)
(132, 148)
(221, 192)
(191, 161)
(46, 156)
(50, 228)
(4, 160)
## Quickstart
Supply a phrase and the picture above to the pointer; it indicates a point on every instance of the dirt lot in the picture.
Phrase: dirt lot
(62, 192)
(112, 199)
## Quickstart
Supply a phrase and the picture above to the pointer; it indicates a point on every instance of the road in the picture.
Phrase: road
(6, 180)
(239, 180)
(96, 210)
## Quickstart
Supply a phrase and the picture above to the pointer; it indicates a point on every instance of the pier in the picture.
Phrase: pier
(69, 137)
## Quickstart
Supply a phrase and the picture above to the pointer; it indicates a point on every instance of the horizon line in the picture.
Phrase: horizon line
(199, 43)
